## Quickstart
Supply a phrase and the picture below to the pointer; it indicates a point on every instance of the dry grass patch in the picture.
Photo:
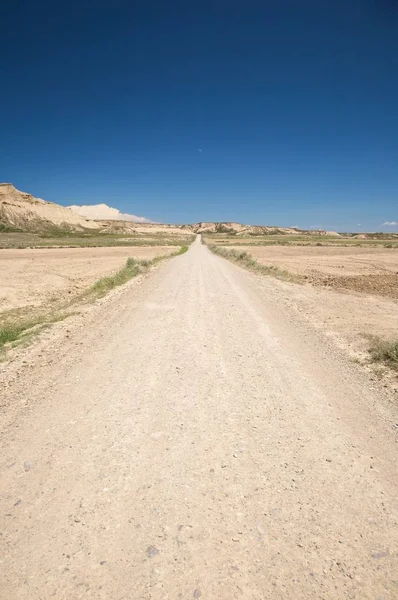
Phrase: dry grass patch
(384, 351)
(12, 238)
(245, 259)
(132, 268)
(14, 330)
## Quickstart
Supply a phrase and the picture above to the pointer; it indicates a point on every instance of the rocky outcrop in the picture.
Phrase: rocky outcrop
(24, 211)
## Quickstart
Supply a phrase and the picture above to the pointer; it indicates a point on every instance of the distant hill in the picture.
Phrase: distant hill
(27, 213)
(22, 211)
(242, 230)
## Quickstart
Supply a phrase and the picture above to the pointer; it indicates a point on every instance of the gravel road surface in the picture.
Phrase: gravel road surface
(199, 441)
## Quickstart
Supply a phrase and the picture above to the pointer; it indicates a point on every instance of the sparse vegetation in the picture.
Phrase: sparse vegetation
(14, 329)
(384, 351)
(5, 228)
(18, 324)
(12, 238)
(320, 263)
(245, 259)
(132, 268)
(277, 239)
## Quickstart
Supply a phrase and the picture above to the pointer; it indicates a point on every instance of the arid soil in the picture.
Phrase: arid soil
(196, 436)
(350, 319)
(348, 314)
(370, 270)
(30, 277)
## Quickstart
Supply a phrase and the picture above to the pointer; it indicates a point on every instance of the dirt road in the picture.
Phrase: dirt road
(199, 442)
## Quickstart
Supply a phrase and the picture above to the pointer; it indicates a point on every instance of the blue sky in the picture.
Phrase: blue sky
(261, 112)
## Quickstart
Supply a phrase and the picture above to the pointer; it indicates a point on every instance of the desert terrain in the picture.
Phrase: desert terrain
(31, 277)
(197, 435)
(181, 424)
(347, 290)
(371, 269)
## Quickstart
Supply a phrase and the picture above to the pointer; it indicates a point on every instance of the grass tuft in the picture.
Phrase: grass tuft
(385, 352)
(11, 332)
(14, 330)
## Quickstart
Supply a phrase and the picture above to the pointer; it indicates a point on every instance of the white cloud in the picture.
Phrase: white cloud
(105, 212)
(391, 223)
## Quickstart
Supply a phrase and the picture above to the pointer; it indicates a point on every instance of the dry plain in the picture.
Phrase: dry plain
(196, 437)
(33, 276)
(369, 269)
(344, 287)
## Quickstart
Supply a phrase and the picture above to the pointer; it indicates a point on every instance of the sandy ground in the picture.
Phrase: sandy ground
(197, 437)
(369, 270)
(328, 260)
(30, 277)
(350, 315)
(349, 318)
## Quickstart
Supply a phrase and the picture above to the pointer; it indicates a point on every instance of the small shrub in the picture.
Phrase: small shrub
(385, 351)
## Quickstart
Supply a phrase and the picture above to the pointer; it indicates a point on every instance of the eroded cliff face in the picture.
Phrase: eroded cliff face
(24, 211)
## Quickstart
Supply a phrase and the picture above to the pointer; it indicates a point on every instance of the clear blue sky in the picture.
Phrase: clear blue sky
(294, 106)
